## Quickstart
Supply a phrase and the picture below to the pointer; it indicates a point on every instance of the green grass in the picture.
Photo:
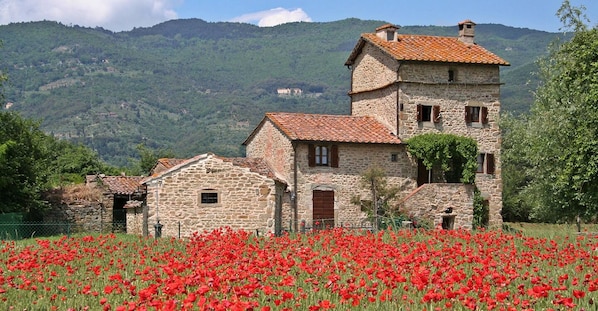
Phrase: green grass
(543, 230)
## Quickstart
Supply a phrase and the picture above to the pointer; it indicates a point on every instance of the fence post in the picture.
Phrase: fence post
(158, 230)
(179, 229)
(101, 219)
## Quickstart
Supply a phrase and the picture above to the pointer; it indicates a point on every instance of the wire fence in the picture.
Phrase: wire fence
(366, 224)
(26, 230)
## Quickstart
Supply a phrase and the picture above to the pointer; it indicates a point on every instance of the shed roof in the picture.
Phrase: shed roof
(124, 185)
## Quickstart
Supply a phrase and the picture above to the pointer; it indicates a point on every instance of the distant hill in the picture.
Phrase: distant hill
(192, 86)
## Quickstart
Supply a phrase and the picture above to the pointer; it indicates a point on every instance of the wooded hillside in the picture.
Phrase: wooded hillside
(192, 86)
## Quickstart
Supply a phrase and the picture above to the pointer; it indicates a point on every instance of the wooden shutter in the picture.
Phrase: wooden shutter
(467, 114)
(489, 163)
(311, 155)
(334, 156)
(419, 113)
(484, 115)
(436, 114)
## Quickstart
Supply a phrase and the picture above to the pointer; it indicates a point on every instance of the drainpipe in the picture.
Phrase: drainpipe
(294, 193)
(398, 98)
(158, 226)
(350, 67)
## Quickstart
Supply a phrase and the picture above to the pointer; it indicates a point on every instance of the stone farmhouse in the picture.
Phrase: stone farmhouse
(304, 169)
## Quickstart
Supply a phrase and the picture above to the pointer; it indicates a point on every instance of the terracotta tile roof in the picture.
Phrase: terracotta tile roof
(256, 165)
(170, 162)
(122, 184)
(175, 167)
(332, 128)
(429, 49)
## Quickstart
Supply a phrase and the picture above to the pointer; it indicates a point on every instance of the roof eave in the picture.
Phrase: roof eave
(355, 52)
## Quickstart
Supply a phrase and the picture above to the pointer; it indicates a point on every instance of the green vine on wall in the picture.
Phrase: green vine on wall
(455, 155)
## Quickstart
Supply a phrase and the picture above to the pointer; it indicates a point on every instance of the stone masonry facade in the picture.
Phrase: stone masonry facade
(237, 198)
(391, 90)
(442, 203)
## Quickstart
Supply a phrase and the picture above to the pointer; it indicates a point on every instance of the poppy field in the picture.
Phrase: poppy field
(325, 270)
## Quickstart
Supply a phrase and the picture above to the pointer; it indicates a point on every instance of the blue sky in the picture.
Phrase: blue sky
(119, 15)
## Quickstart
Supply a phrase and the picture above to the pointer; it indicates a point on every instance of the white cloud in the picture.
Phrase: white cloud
(274, 17)
(115, 15)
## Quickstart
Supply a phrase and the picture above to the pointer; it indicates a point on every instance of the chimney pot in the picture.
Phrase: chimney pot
(467, 31)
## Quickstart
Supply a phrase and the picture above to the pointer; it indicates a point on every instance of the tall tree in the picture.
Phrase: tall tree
(24, 163)
(562, 129)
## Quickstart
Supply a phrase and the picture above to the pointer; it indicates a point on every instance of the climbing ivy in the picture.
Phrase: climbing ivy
(455, 155)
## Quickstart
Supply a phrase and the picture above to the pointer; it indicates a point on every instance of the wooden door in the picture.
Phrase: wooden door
(323, 209)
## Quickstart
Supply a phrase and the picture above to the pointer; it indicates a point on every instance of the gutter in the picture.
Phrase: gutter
(294, 193)
(398, 109)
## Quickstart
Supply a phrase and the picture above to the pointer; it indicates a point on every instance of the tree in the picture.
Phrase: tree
(3, 78)
(516, 167)
(382, 195)
(24, 163)
(561, 132)
(148, 158)
(72, 162)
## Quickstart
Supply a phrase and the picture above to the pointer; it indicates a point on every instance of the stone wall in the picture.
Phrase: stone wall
(345, 181)
(271, 144)
(430, 202)
(86, 216)
(246, 200)
(135, 221)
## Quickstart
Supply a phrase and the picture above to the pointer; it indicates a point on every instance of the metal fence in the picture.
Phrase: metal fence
(366, 224)
(25, 230)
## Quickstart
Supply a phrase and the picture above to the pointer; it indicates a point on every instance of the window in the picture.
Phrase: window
(485, 163)
(451, 76)
(323, 155)
(390, 36)
(426, 113)
(394, 157)
(476, 114)
(209, 197)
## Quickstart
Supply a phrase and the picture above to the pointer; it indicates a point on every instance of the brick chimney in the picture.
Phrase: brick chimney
(466, 31)
(387, 32)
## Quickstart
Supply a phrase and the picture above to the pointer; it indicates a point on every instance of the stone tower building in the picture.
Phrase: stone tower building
(416, 84)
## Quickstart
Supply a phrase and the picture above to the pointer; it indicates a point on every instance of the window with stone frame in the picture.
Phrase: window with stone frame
(485, 163)
(208, 196)
(476, 114)
(428, 113)
(323, 155)
(452, 75)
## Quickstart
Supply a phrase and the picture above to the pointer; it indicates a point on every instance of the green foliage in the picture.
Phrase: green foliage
(72, 162)
(481, 211)
(193, 87)
(148, 159)
(3, 78)
(31, 162)
(561, 133)
(379, 206)
(455, 156)
(516, 169)
(24, 163)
